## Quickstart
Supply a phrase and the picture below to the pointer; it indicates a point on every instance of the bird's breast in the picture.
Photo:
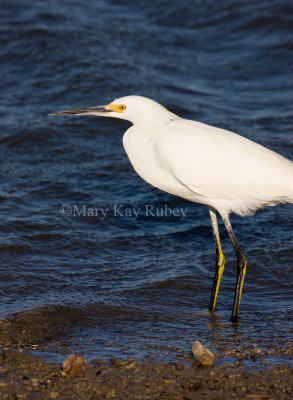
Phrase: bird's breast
(140, 152)
(145, 161)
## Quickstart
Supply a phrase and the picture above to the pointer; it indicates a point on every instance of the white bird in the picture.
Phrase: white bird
(203, 164)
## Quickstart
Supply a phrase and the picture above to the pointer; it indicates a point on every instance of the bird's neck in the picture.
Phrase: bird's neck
(151, 127)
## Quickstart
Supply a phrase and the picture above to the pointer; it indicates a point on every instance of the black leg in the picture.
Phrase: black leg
(241, 268)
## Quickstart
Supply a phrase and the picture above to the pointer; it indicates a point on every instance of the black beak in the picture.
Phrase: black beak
(84, 111)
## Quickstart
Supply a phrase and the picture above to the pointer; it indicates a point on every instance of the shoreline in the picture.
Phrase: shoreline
(239, 372)
(25, 376)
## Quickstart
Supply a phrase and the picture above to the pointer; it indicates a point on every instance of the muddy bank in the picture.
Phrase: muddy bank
(25, 377)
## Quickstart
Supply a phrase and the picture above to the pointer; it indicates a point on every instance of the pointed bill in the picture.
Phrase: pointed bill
(99, 110)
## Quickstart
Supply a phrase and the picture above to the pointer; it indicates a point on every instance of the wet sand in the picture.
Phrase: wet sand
(24, 376)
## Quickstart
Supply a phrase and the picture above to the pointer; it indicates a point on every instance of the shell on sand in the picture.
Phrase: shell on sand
(74, 366)
(202, 355)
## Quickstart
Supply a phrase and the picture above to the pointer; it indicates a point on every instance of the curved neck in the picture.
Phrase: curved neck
(149, 128)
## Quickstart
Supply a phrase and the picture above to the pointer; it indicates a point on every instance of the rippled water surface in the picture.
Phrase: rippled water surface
(120, 284)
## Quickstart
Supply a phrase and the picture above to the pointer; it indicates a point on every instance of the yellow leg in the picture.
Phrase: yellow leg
(220, 262)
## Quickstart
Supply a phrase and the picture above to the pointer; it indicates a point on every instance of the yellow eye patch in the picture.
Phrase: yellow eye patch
(117, 107)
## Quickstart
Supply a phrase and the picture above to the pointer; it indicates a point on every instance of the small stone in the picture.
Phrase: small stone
(110, 394)
(20, 396)
(74, 366)
(119, 363)
(35, 381)
(202, 355)
(131, 365)
(178, 366)
(54, 395)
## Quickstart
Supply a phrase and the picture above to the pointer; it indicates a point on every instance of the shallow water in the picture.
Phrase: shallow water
(138, 287)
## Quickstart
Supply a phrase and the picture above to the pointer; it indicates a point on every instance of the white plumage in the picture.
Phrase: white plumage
(203, 164)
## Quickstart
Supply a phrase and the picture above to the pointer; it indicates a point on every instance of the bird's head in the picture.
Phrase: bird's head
(136, 109)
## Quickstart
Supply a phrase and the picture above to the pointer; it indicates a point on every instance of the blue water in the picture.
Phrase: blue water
(138, 286)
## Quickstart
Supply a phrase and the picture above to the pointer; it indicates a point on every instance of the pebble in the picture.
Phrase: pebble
(131, 363)
(116, 362)
(35, 381)
(74, 366)
(19, 396)
(202, 355)
(110, 394)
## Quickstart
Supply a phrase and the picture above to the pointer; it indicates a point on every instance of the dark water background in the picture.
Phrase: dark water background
(124, 286)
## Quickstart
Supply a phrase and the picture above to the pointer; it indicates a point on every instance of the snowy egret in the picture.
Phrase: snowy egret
(203, 164)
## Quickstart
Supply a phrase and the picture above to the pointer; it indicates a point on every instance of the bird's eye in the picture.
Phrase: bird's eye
(122, 107)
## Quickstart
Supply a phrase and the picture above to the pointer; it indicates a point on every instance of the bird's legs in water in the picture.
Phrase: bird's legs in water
(241, 268)
(220, 261)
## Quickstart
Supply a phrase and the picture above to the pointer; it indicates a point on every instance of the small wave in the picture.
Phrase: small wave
(41, 325)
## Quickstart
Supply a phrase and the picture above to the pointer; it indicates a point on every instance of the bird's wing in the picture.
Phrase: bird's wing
(219, 164)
